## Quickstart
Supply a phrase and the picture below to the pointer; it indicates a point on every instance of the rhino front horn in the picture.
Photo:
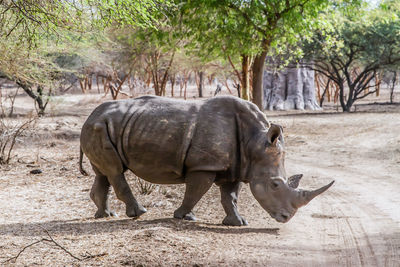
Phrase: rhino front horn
(305, 196)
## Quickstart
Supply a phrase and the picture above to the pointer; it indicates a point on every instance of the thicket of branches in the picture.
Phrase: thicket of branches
(48, 46)
(357, 50)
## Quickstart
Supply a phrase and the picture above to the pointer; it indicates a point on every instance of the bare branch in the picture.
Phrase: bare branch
(365, 95)
(234, 69)
(51, 240)
(14, 137)
(23, 249)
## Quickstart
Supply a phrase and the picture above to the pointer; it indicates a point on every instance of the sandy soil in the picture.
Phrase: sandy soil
(355, 223)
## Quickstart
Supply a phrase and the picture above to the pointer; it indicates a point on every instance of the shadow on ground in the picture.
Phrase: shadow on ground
(90, 226)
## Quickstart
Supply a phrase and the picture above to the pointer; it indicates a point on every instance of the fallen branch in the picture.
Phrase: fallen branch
(22, 250)
(51, 240)
(58, 245)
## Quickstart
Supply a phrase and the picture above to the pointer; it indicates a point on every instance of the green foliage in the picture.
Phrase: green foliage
(32, 20)
(369, 39)
(143, 13)
(354, 47)
(232, 27)
(42, 39)
(240, 28)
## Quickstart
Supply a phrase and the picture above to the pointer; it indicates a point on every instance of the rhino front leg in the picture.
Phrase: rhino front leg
(229, 197)
(197, 184)
(99, 194)
(124, 193)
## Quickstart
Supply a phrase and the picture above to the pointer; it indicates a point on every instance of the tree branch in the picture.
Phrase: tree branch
(247, 18)
(234, 69)
(51, 240)
(367, 94)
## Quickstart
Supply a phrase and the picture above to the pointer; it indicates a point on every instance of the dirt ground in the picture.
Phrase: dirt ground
(355, 223)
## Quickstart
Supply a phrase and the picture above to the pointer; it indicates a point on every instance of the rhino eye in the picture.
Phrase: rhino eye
(275, 184)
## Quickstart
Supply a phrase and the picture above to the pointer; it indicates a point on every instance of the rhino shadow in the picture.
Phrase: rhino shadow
(89, 226)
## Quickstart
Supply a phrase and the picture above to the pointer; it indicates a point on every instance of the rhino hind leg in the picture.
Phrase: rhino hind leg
(197, 184)
(107, 162)
(229, 196)
(99, 194)
(124, 193)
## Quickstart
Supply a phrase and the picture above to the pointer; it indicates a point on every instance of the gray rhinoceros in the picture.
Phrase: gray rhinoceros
(222, 140)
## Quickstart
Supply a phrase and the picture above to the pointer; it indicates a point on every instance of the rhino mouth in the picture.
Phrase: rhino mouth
(281, 217)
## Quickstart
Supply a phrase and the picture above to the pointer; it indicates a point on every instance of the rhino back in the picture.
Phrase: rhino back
(156, 136)
(148, 135)
(217, 141)
(160, 139)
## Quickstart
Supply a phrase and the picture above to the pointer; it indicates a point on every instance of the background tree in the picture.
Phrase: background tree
(249, 29)
(29, 30)
(216, 33)
(353, 49)
(23, 26)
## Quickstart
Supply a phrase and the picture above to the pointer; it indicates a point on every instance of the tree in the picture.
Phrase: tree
(29, 70)
(154, 49)
(23, 27)
(353, 49)
(29, 27)
(289, 88)
(249, 29)
(214, 32)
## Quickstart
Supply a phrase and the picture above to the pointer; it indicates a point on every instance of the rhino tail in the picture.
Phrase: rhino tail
(80, 162)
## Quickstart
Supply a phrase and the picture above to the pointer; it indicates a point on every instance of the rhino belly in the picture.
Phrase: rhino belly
(157, 176)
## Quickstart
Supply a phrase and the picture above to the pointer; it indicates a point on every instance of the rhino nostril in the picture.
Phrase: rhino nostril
(284, 216)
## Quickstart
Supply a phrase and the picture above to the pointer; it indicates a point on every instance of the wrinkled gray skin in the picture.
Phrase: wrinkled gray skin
(222, 140)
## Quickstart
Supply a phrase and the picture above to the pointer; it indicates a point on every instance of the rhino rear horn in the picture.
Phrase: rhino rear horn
(294, 180)
(306, 196)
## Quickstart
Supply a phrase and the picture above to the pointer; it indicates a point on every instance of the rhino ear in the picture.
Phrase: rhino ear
(293, 181)
(274, 134)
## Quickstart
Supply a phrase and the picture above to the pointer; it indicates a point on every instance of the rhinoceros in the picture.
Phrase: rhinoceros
(223, 140)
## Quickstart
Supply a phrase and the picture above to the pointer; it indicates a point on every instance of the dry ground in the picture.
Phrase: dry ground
(356, 223)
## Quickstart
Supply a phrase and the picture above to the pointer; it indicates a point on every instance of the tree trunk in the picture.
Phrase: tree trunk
(186, 77)
(181, 84)
(227, 85)
(201, 82)
(37, 97)
(326, 90)
(343, 103)
(258, 73)
(308, 84)
(290, 88)
(172, 80)
(392, 87)
(185, 91)
(81, 83)
(349, 104)
(166, 74)
(245, 77)
(131, 85)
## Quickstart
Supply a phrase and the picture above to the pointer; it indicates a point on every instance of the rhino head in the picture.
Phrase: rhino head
(276, 194)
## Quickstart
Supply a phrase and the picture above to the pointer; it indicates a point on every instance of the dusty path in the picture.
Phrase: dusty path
(359, 222)
(356, 223)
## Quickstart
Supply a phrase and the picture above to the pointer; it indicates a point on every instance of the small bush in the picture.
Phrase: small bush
(9, 133)
(144, 187)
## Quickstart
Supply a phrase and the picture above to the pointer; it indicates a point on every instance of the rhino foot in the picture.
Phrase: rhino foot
(104, 214)
(234, 221)
(135, 211)
(188, 216)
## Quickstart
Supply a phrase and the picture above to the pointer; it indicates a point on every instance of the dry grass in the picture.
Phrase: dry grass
(349, 225)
